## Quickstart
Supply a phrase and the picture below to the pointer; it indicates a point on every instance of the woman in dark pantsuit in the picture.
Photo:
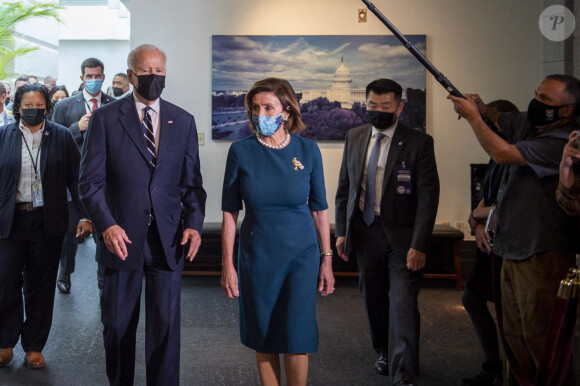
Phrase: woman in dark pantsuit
(39, 160)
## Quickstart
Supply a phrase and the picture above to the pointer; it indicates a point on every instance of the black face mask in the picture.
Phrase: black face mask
(33, 117)
(380, 119)
(151, 86)
(541, 114)
(118, 91)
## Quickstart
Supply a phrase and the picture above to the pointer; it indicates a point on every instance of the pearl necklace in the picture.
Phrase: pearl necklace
(280, 146)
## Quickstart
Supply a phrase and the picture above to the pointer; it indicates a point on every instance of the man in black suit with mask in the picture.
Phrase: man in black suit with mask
(387, 221)
(74, 113)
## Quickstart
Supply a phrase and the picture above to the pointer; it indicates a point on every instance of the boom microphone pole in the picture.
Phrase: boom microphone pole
(408, 45)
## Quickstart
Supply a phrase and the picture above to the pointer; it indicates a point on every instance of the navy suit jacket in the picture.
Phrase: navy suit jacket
(69, 111)
(118, 187)
(59, 167)
(406, 219)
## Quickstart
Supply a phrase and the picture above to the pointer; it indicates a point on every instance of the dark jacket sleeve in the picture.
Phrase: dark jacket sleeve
(427, 183)
(342, 193)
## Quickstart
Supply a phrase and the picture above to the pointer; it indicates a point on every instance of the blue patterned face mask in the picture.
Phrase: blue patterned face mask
(267, 125)
(93, 86)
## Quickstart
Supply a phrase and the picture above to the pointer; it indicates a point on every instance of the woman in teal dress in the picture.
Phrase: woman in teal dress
(284, 241)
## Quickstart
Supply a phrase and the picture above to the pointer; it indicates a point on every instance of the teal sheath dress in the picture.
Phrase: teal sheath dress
(278, 255)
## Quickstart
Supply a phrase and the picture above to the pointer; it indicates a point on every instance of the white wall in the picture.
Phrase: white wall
(113, 54)
(490, 47)
(41, 33)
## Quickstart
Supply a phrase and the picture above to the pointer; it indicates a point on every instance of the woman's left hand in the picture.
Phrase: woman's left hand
(229, 281)
(84, 229)
(326, 277)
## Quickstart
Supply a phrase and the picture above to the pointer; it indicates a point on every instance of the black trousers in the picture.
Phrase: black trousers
(28, 268)
(390, 294)
(70, 244)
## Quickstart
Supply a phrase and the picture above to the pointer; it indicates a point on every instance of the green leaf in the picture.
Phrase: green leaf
(12, 13)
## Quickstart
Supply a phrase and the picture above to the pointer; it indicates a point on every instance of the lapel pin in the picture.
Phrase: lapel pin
(400, 143)
(170, 122)
(297, 164)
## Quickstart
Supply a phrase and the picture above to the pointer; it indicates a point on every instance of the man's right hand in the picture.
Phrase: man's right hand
(482, 238)
(340, 248)
(84, 122)
(115, 239)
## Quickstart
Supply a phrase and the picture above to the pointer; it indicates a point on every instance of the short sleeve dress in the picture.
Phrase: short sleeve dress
(278, 254)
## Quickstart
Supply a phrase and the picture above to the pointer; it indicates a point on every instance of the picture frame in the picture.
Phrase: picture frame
(329, 74)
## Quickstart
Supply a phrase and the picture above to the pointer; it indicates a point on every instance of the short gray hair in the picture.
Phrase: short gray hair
(137, 50)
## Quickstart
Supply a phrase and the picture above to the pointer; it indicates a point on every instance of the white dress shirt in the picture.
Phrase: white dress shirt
(154, 114)
(384, 152)
(89, 102)
(28, 176)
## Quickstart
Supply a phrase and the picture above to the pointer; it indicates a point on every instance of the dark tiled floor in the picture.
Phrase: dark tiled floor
(212, 355)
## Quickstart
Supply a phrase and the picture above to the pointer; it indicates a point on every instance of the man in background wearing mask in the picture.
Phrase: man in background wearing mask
(533, 234)
(121, 86)
(141, 183)
(74, 113)
(386, 204)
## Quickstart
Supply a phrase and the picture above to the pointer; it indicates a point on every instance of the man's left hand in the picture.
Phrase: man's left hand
(466, 107)
(194, 239)
(416, 260)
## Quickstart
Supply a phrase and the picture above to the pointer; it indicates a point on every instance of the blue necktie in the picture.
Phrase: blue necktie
(369, 208)
(147, 127)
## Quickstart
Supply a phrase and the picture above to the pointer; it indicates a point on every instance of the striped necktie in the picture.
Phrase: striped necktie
(147, 127)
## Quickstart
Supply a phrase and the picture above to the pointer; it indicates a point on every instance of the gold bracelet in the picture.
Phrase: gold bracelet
(326, 253)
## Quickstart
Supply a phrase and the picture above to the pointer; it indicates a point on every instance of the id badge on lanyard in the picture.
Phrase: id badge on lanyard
(37, 197)
(403, 180)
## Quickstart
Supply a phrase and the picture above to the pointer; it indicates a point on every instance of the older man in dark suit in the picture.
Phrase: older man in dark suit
(141, 184)
(74, 113)
(386, 203)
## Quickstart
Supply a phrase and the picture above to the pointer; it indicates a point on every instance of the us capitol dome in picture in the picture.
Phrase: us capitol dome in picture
(340, 91)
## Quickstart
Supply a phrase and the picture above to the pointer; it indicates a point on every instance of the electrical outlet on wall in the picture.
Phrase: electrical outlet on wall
(460, 225)
(200, 139)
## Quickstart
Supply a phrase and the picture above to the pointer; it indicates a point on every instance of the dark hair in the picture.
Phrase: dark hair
(122, 75)
(572, 89)
(383, 86)
(285, 93)
(2, 89)
(503, 106)
(34, 87)
(91, 63)
(22, 78)
(58, 88)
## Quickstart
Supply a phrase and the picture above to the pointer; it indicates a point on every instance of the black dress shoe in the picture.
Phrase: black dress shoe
(63, 287)
(382, 364)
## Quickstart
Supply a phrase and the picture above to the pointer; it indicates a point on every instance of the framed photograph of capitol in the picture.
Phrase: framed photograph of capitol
(329, 74)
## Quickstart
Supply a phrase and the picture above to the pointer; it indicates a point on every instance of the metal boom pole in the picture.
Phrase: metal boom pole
(416, 53)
